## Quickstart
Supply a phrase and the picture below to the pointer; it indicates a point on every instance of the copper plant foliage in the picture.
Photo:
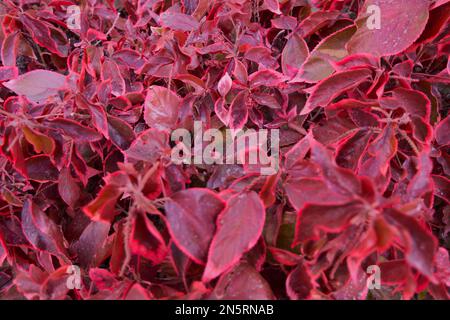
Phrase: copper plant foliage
(90, 93)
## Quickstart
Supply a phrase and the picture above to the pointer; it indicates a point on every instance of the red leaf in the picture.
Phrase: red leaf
(37, 85)
(40, 142)
(98, 113)
(68, 188)
(46, 36)
(328, 89)
(74, 130)
(239, 111)
(161, 108)
(120, 132)
(318, 65)
(102, 207)
(110, 71)
(349, 153)
(399, 28)
(285, 257)
(442, 132)
(294, 54)
(442, 187)
(273, 6)
(40, 168)
(314, 218)
(149, 146)
(266, 77)
(299, 283)
(179, 21)
(224, 84)
(316, 21)
(340, 180)
(41, 231)
(146, 241)
(8, 73)
(380, 152)
(192, 214)
(237, 232)
(310, 190)
(91, 248)
(420, 245)
(242, 283)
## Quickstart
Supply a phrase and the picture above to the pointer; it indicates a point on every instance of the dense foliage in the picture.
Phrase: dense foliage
(89, 103)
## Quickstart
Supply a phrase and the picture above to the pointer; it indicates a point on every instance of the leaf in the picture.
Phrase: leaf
(284, 257)
(328, 89)
(110, 71)
(266, 77)
(399, 28)
(331, 49)
(191, 215)
(421, 183)
(46, 36)
(261, 55)
(146, 241)
(74, 130)
(299, 283)
(40, 231)
(91, 247)
(242, 283)
(412, 101)
(442, 187)
(8, 73)
(40, 168)
(137, 292)
(239, 111)
(102, 207)
(442, 132)
(295, 52)
(40, 142)
(420, 245)
(149, 146)
(309, 190)
(314, 218)
(224, 84)
(380, 152)
(161, 108)
(350, 152)
(37, 85)
(237, 232)
(98, 114)
(68, 188)
(316, 21)
(273, 6)
(222, 113)
(120, 132)
(178, 21)
(339, 180)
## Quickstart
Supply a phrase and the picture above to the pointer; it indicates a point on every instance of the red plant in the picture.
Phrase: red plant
(92, 92)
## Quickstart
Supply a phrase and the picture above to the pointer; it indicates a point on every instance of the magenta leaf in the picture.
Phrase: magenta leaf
(41, 231)
(192, 214)
(37, 85)
(161, 108)
(146, 241)
(398, 29)
(237, 232)
(328, 89)
(242, 283)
